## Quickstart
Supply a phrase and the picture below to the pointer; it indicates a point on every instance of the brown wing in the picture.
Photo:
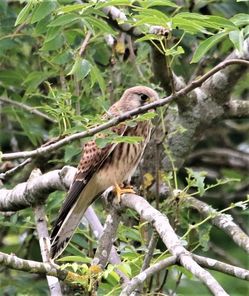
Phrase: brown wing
(92, 158)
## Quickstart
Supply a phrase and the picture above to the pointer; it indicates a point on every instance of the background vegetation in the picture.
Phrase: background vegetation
(70, 61)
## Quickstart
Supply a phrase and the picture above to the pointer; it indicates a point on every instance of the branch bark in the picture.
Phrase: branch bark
(222, 221)
(42, 231)
(170, 239)
(107, 238)
(236, 109)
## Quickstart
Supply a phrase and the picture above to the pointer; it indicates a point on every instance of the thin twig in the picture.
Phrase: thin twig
(25, 107)
(12, 171)
(150, 251)
(124, 116)
(85, 43)
(139, 279)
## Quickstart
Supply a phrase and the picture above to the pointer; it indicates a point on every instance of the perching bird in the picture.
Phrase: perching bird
(101, 168)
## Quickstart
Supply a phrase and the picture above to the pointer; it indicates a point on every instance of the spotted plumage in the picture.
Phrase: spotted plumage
(100, 168)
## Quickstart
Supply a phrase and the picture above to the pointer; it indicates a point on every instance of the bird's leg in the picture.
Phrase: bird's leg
(122, 190)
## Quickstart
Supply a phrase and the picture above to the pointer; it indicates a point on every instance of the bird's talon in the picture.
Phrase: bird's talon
(122, 190)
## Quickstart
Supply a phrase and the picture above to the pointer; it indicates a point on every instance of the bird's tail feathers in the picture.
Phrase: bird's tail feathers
(68, 222)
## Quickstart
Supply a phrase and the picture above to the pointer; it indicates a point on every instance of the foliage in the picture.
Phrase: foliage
(43, 64)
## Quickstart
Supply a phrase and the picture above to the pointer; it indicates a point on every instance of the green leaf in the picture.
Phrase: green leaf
(99, 24)
(240, 19)
(12, 77)
(149, 37)
(190, 26)
(35, 78)
(70, 152)
(81, 68)
(62, 58)
(74, 7)
(63, 20)
(74, 259)
(23, 15)
(196, 179)
(54, 43)
(125, 268)
(212, 21)
(127, 139)
(207, 44)
(150, 3)
(152, 15)
(237, 39)
(246, 31)
(146, 116)
(114, 3)
(96, 76)
(42, 10)
(102, 142)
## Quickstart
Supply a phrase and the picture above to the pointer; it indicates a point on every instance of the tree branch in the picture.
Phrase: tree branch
(127, 115)
(221, 156)
(107, 238)
(170, 239)
(30, 109)
(47, 269)
(97, 229)
(36, 190)
(139, 279)
(62, 179)
(15, 169)
(236, 109)
(222, 221)
(213, 264)
(209, 263)
(42, 231)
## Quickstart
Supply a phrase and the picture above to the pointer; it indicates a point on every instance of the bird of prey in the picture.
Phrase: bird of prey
(101, 168)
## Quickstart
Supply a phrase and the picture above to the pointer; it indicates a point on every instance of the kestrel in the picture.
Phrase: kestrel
(101, 168)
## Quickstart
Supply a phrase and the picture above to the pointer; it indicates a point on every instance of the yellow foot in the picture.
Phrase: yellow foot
(119, 191)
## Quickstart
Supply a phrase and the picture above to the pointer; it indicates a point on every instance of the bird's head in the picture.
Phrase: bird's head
(136, 97)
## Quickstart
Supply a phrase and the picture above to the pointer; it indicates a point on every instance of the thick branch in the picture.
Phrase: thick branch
(170, 239)
(14, 262)
(36, 190)
(127, 115)
(107, 238)
(222, 221)
(221, 157)
(213, 264)
(236, 109)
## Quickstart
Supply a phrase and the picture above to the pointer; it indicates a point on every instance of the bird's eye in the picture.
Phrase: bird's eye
(144, 97)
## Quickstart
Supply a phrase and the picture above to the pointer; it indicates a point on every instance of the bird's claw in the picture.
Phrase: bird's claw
(122, 190)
